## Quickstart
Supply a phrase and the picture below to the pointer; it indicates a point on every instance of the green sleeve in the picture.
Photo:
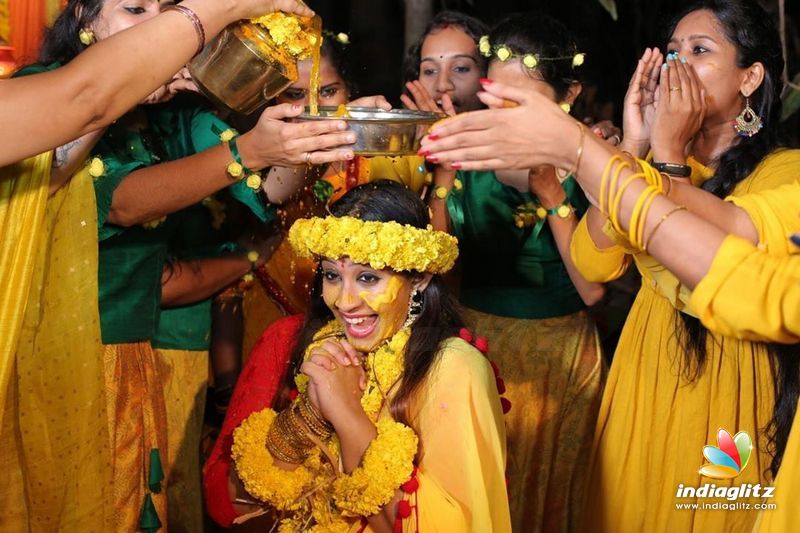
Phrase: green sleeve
(105, 185)
(205, 130)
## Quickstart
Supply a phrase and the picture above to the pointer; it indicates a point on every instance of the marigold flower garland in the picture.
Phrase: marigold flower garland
(387, 463)
(256, 468)
(377, 244)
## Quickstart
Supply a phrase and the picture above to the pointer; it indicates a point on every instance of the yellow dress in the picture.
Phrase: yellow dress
(653, 423)
(772, 313)
(461, 469)
(55, 456)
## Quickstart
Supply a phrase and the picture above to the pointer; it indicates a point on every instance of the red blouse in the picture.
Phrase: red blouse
(256, 389)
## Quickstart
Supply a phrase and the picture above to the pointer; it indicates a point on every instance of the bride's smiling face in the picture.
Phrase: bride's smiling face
(371, 304)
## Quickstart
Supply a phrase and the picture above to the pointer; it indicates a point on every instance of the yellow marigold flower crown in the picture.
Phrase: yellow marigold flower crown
(380, 245)
(505, 53)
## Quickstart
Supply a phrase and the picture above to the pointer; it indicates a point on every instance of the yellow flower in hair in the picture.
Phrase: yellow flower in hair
(235, 169)
(254, 181)
(530, 61)
(343, 38)
(484, 46)
(96, 167)
(503, 53)
(577, 60)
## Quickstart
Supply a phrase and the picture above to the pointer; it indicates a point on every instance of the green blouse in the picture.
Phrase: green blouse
(506, 270)
(188, 327)
(132, 259)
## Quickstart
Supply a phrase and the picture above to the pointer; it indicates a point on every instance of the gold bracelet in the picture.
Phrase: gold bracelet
(314, 419)
(280, 447)
(643, 217)
(668, 179)
(579, 154)
(658, 224)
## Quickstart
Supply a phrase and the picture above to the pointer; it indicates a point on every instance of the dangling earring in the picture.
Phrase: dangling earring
(86, 37)
(747, 123)
(565, 106)
(414, 308)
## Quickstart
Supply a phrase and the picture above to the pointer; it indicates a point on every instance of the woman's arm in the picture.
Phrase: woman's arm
(544, 184)
(443, 181)
(42, 111)
(186, 181)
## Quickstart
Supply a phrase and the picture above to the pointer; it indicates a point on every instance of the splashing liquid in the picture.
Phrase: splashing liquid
(313, 86)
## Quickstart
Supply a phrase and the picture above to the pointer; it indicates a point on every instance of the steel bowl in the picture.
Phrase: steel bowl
(242, 69)
(378, 132)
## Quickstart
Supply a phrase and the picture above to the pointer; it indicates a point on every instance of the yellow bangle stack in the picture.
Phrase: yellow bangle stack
(611, 194)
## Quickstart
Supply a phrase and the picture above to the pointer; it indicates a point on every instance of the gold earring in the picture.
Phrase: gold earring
(86, 37)
(565, 106)
(747, 123)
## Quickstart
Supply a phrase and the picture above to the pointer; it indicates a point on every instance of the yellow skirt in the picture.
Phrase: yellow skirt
(137, 423)
(185, 380)
(553, 373)
(653, 426)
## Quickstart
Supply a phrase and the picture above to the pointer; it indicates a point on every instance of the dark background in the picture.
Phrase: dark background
(376, 30)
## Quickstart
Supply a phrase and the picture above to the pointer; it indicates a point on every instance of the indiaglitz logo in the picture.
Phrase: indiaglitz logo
(729, 457)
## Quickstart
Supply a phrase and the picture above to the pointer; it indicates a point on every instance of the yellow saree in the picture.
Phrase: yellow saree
(55, 457)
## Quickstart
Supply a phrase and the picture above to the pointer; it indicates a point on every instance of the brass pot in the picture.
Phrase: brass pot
(242, 69)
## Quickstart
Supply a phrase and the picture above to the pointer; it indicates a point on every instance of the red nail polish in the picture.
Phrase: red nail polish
(433, 137)
(486, 81)
(424, 153)
(456, 165)
(432, 158)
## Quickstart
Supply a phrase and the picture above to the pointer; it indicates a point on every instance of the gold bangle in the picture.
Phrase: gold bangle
(643, 217)
(314, 419)
(668, 179)
(658, 224)
(579, 154)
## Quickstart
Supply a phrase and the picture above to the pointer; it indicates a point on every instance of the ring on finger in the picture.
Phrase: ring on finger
(307, 158)
(674, 89)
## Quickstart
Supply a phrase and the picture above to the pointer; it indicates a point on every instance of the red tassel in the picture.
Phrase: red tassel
(410, 486)
(505, 404)
(398, 525)
(293, 393)
(501, 386)
(403, 509)
(482, 344)
(495, 369)
(465, 334)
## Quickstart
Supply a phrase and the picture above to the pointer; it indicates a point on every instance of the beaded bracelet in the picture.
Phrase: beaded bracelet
(196, 22)
(236, 168)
